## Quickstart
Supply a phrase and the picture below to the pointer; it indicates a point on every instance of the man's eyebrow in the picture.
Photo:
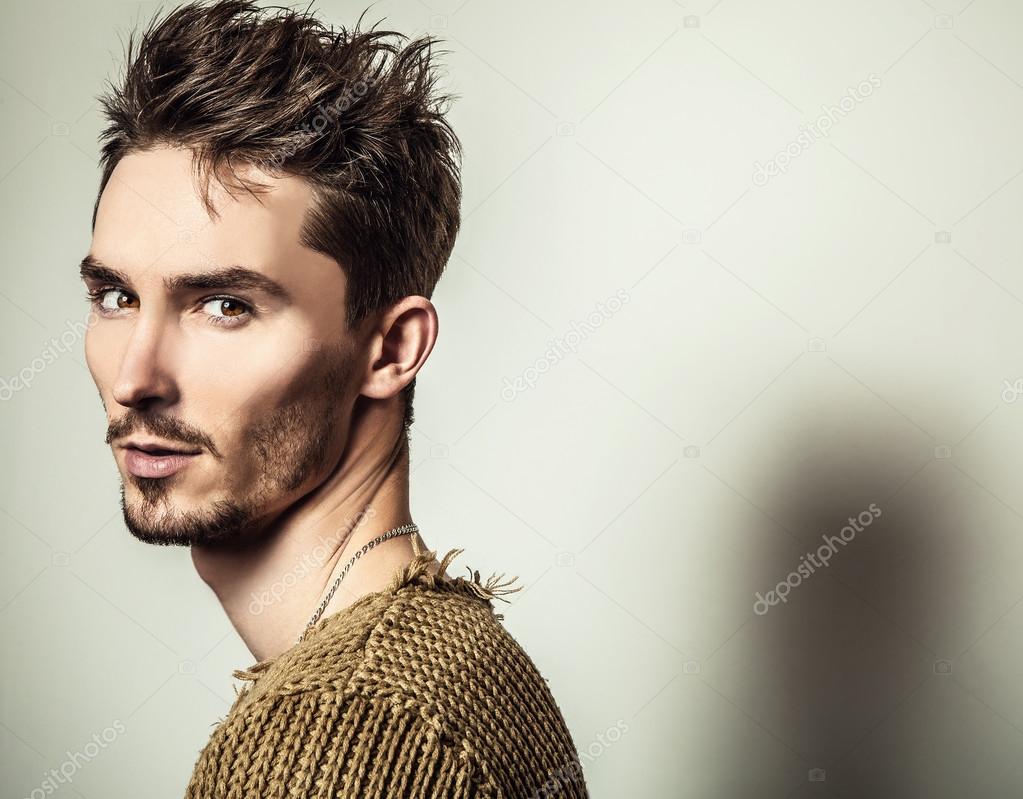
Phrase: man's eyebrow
(228, 277)
(224, 278)
(94, 269)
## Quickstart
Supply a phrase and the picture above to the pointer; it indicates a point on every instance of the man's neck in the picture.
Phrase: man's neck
(270, 589)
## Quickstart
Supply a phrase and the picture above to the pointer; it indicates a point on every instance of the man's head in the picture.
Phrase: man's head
(278, 201)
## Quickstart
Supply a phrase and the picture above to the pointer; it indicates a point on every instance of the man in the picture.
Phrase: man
(278, 201)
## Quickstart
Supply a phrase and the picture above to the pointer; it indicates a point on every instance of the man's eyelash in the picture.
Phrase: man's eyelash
(93, 294)
(96, 295)
(226, 320)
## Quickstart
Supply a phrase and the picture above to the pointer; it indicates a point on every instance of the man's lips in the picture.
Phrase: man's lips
(157, 463)
(156, 447)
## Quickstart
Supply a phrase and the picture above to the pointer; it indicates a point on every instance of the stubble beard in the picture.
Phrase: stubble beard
(290, 446)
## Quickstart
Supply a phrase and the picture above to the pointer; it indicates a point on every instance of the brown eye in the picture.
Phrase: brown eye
(231, 308)
(225, 308)
(115, 299)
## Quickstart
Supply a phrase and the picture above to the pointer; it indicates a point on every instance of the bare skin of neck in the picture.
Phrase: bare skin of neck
(271, 587)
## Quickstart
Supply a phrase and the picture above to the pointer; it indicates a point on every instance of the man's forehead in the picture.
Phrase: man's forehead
(152, 210)
(161, 188)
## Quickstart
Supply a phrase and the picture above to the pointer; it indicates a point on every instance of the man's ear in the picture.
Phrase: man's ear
(398, 346)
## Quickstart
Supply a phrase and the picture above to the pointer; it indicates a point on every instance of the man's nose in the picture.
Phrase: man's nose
(143, 378)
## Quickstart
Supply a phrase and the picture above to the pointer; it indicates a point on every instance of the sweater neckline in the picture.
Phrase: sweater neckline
(413, 574)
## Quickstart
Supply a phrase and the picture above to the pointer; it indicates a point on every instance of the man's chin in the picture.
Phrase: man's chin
(221, 523)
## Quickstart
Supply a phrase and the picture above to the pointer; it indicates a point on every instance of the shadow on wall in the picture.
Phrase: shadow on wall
(853, 656)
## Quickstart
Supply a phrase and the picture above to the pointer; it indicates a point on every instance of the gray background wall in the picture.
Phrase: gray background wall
(793, 348)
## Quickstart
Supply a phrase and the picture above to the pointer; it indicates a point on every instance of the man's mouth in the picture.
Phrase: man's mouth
(159, 448)
(156, 459)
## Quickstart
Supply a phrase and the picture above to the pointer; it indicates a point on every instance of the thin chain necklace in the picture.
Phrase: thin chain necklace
(405, 529)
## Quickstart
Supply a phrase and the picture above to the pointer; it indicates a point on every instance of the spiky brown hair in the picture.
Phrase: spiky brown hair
(355, 112)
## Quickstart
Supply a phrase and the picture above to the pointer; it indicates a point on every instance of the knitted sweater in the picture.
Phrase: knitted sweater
(413, 691)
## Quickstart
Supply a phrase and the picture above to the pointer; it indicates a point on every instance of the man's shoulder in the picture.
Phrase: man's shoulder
(425, 621)
(437, 644)
(439, 635)
(445, 651)
(427, 661)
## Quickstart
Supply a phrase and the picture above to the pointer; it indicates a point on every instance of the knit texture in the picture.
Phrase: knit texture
(414, 691)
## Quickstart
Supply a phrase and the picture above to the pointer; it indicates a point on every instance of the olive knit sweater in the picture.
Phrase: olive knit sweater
(414, 691)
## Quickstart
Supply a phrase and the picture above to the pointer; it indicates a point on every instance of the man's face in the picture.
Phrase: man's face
(256, 377)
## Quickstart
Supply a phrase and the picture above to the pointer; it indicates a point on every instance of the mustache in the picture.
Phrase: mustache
(166, 427)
